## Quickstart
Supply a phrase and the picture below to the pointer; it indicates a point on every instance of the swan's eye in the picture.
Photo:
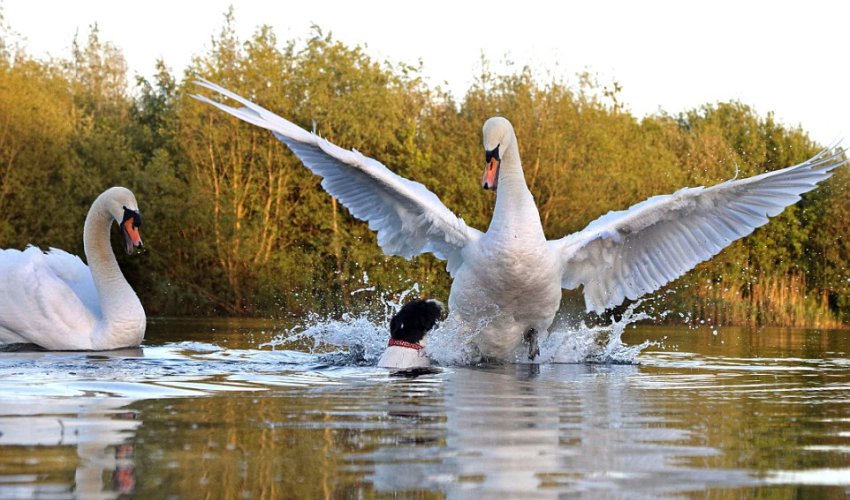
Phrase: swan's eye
(132, 214)
(494, 153)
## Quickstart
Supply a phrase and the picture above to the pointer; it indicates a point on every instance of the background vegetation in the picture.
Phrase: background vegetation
(235, 225)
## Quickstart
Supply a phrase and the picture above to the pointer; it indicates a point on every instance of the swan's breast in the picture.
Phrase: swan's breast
(522, 279)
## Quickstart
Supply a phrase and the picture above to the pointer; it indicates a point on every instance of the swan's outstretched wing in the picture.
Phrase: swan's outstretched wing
(409, 219)
(36, 305)
(632, 252)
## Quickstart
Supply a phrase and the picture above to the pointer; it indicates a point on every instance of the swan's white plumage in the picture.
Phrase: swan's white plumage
(508, 280)
(36, 303)
(51, 299)
(70, 269)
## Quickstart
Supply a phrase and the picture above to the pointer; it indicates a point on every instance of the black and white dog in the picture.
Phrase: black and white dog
(407, 329)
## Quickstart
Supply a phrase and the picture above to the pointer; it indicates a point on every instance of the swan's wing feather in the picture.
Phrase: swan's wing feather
(629, 253)
(36, 305)
(409, 219)
(71, 269)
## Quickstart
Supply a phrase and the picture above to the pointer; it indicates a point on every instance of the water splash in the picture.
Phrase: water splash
(360, 338)
(354, 339)
(453, 342)
(595, 344)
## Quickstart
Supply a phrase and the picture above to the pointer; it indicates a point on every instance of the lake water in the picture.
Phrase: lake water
(225, 409)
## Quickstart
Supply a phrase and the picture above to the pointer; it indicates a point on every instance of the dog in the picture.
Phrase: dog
(407, 329)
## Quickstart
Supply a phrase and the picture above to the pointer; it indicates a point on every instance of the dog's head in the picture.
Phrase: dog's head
(414, 320)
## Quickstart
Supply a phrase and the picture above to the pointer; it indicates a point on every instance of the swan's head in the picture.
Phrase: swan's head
(498, 136)
(122, 206)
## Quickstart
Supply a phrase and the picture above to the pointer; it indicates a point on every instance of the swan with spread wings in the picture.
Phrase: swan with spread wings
(507, 281)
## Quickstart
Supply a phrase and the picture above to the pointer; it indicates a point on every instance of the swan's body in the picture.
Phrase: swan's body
(55, 301)
(507, 282)
(509, 267)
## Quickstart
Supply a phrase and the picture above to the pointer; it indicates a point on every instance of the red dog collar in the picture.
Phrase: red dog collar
(403, 343)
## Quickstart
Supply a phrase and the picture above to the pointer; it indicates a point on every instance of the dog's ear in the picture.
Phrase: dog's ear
(396, 324)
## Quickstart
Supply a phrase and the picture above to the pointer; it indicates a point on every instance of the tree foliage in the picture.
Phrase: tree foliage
(236, 225)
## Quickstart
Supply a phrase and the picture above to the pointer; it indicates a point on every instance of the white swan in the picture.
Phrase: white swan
(509, 279)
(55, 301)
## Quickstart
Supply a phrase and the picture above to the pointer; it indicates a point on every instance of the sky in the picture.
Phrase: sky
(789, 58)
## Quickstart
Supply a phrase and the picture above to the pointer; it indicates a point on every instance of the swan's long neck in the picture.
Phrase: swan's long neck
(119, 303)
(515, 212)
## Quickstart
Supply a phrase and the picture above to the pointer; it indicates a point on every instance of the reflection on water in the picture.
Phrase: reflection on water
(89, 437)
(202, 408)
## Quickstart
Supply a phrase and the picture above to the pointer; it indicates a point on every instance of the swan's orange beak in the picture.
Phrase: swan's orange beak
(132, 238)
(491, 169)
(491, 175)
